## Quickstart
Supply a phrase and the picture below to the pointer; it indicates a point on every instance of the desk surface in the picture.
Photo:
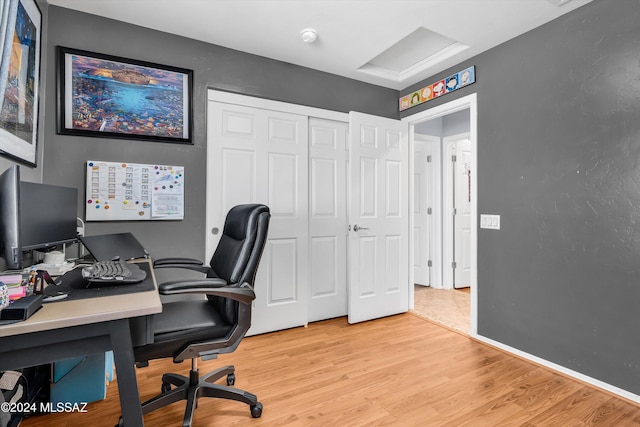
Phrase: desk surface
(62, 314)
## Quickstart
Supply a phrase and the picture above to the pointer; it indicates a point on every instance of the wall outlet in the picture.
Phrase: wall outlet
(491, 222)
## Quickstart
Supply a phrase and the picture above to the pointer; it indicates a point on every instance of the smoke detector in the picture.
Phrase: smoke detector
(309, 35)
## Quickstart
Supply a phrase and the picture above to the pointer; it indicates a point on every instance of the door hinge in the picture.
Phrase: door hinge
(429, 211)
(429, 159)
(453, 264)
(454, 212)
(454, 158)
(429, 263)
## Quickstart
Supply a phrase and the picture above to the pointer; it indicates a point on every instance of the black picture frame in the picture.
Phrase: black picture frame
(109, 96)
(20, 43)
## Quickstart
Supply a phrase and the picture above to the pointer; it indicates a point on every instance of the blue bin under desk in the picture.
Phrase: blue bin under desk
(82, 379)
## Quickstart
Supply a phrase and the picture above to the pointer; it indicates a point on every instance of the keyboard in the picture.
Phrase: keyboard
(113, 273)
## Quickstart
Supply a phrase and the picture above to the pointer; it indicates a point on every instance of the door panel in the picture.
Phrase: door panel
(281, 261)
(423, 189)
(261, 156)
(462, 229)
(457, 203)
(328, 218)
(378, 249)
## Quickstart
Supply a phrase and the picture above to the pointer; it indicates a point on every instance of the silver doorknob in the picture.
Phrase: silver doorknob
(358, 228)
(215, 230)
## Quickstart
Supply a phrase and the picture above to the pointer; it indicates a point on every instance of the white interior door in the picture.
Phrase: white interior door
(261, 156)
(462, 222)
(378, 213)
(457, 207)
(328, 222)
(423, 209)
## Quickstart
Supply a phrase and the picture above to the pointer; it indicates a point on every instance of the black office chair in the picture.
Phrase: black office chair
(189, 329)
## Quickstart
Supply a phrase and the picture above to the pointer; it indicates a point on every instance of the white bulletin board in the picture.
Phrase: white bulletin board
(121, 191)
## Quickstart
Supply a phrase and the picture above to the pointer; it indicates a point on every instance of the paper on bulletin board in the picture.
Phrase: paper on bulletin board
(121, 191)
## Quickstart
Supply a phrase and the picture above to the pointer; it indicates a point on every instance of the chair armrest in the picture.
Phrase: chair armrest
(214, 287)
(192, 285)
(163, 261)
(186, 263)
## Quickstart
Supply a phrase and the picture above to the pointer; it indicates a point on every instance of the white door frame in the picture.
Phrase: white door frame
(466, 102)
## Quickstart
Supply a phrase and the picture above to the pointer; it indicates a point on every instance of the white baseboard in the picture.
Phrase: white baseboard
(560, 369)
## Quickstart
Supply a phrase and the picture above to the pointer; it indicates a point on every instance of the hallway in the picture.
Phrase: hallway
(449, 307)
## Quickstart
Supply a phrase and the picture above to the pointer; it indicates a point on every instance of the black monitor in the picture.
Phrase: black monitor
(10, 217)
(48, 215)
(34, 216)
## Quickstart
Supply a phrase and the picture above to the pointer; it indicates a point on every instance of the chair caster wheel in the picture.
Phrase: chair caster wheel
(231, 379)
(256, 410)
(165, 387)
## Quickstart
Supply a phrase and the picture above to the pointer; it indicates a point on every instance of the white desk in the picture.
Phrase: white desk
(65, 329)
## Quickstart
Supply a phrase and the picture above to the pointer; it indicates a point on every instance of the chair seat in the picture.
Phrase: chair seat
(188, 317)
(182, 323)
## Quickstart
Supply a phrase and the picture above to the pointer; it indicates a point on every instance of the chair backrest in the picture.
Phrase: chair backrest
(238, 253)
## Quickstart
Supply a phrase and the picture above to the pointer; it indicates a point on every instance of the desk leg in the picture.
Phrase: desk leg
(126, 373)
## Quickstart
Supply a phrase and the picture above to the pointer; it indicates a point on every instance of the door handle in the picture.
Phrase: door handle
(358, 228)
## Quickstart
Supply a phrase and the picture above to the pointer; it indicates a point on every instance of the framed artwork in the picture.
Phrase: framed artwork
(112, 97)
(20, 29)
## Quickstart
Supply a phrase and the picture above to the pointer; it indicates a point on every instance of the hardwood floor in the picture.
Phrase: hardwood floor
(397, 371)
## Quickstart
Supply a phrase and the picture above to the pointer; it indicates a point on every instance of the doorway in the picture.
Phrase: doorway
(444, 211)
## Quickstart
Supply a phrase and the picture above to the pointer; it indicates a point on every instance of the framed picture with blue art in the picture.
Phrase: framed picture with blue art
(111, 97)
(20, 30)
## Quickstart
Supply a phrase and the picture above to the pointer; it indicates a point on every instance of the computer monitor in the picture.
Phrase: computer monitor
(48, 215)
(10, 217)
(34, 216)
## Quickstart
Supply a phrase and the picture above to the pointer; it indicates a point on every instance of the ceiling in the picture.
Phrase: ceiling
(390, 43)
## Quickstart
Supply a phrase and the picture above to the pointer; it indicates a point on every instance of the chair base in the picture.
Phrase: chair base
(194, 387)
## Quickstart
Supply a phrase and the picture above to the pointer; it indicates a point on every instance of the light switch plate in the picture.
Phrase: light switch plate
(491, 222)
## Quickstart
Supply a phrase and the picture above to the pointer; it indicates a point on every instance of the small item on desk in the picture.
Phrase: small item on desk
(20, 309)
(4, 296)
(37, 280)
(11, 279)
(17, 292)
(31, 282)
(55, 297)
(56, 269)
(13, 282)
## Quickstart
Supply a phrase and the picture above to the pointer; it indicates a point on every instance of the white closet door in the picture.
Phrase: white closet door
(378, 212)
(261, 156)
(328, 218)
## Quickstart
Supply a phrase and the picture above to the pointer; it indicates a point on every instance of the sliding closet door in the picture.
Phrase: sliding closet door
(261, 156)
(328, 218)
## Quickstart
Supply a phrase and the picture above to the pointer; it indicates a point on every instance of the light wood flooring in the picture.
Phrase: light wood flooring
(448, 307)
(397, 371)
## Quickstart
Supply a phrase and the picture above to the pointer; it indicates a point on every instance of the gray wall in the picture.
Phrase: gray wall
(214, 67)
(558, 158)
